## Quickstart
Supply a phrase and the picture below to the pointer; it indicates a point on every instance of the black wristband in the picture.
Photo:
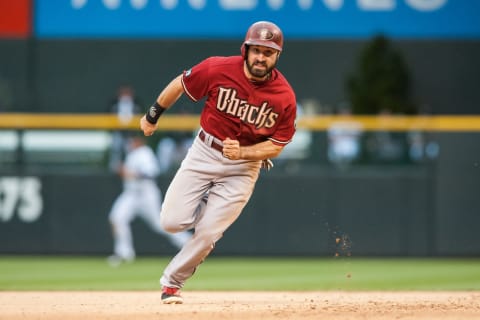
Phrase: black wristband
(154, 113)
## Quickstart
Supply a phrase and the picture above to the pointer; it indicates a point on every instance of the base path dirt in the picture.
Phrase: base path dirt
(146, 305)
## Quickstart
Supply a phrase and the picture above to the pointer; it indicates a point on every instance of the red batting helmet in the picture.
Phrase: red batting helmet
(263, 33)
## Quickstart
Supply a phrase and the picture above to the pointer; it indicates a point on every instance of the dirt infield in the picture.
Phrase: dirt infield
(240, 305)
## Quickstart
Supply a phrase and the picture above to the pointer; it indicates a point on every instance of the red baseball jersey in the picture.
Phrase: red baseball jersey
(237, 108)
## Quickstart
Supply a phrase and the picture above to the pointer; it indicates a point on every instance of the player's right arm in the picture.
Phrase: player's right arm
(169, 95)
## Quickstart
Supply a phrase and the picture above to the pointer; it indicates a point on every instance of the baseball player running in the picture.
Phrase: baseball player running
(140, 197)
(248, 118)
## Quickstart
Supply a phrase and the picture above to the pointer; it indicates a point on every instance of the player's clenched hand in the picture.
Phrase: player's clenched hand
(147, 128)
(231, 149)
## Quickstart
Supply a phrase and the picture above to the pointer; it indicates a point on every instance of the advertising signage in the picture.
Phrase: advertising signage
(15, 18)
(303, 19)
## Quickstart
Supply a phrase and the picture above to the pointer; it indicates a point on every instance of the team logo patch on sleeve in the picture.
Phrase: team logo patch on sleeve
(188, 72)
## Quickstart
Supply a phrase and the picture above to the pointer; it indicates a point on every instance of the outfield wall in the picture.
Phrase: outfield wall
(428, 209)
(287, 215)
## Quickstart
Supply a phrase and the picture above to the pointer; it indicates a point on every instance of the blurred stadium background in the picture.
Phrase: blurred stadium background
(386, 161)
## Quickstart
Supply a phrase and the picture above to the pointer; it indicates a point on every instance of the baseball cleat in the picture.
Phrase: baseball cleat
(171, 296)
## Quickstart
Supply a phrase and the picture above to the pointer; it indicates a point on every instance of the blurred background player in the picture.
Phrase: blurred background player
(125, 106)
(344, 139)
(140, 197)
(172, 148)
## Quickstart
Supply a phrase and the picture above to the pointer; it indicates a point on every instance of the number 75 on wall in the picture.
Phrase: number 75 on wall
(21, 196)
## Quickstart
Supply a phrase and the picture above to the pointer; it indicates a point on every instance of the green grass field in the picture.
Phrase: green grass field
(219, 273)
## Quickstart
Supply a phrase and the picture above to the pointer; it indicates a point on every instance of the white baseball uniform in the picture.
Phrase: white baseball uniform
(140, 197)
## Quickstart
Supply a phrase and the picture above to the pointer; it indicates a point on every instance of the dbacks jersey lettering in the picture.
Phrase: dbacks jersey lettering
(237, 108)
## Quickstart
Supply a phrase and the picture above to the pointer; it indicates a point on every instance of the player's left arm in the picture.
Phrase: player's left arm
(267, 149)
(260, 151)
(272, 147)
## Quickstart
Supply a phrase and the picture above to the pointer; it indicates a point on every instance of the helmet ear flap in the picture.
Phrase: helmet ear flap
(244, 50)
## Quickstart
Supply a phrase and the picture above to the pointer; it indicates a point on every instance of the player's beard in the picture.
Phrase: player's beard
(260, 73)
